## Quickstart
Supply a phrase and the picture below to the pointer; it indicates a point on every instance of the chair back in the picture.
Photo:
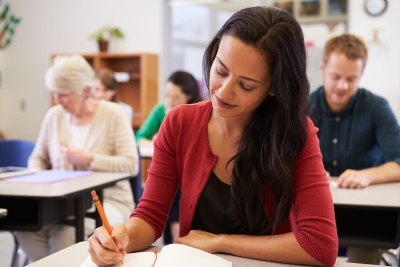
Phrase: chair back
(136, 182)
(15, 152)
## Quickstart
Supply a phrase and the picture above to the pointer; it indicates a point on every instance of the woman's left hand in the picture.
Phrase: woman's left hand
(201, 240)
(77, 156)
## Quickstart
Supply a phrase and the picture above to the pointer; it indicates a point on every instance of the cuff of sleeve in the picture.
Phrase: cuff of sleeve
(92, 165)
(320, 246)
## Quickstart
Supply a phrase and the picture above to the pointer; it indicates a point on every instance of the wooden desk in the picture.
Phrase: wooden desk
(30, 206)
(368, 217)
(3, 213)
(73, 256)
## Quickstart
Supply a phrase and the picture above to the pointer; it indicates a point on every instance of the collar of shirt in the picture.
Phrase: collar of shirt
(343, 113)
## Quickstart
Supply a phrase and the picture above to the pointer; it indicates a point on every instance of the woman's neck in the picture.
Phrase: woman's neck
(85, 113)
(229, 127)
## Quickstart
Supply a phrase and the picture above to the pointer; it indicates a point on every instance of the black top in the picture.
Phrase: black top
(216, 212)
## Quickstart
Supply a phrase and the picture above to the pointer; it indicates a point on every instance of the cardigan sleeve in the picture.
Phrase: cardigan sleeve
(152, 123)
(162, 180)
(39, 159)
(125, 157)
(312, 215)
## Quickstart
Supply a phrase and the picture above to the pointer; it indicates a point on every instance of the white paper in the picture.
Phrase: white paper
(121, 77)
(174, 255)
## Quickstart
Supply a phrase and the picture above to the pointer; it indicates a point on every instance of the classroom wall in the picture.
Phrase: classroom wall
(60, 26)
(382, 73)
(1, 89)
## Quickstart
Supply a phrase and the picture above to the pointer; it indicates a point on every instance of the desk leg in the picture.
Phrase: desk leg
(146, 162)
(79, 219)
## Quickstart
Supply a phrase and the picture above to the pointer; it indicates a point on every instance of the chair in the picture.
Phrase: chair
(15, 153)
(136, 182)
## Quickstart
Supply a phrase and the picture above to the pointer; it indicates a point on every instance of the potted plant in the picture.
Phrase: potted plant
(104, 35)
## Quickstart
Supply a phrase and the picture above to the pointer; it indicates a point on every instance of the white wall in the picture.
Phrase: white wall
(60, 26)
(2, 90)
(382, 73)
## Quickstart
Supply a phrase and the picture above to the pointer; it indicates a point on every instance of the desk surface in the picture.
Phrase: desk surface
(61, 188)
(380, 195)
(146, 152)
(73, 256)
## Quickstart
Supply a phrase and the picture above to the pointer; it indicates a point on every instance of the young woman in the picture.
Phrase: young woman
(181, 88)
(248, 161)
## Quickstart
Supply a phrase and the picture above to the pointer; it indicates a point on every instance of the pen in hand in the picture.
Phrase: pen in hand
(102, 214)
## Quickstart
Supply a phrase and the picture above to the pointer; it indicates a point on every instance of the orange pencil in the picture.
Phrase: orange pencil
(101, 212)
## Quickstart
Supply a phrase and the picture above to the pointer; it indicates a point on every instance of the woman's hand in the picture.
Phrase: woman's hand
(106, 249)
(77, 156)
(145, 143)
(201, 240)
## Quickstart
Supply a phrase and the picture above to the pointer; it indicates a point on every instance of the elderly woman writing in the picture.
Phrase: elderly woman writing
(80, 133)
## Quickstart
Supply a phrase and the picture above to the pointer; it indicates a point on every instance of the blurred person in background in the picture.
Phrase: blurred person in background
(358, 132)
(105, 87)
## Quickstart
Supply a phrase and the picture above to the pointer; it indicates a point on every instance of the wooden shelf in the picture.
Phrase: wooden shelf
(141, 91)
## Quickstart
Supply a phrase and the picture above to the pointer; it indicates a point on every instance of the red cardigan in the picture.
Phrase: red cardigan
(182, 156)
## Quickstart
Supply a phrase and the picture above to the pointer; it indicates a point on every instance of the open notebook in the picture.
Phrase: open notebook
(174, 255)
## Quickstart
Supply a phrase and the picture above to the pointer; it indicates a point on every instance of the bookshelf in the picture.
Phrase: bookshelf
(141, 90)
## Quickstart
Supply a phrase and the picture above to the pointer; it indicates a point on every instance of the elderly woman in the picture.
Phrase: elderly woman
(80, 133)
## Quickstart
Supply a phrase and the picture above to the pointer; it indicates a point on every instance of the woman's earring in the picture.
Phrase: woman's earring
(272, 94)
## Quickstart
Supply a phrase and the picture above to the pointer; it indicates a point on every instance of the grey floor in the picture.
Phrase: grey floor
(6, 247)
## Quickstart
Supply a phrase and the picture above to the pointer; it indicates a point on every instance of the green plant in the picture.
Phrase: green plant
(7, 25)
(107, 33)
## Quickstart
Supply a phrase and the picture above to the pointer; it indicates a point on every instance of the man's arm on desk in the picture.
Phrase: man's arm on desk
(388, 172)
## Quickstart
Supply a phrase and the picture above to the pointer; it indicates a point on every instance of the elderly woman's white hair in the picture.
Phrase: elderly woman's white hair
(69, 74)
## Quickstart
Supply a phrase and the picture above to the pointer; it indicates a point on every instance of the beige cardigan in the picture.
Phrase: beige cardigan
(110, 141)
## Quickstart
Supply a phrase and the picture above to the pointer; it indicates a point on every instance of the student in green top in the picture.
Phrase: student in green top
(181, 88)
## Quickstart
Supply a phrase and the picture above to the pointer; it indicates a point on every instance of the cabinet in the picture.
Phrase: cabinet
(141, 90)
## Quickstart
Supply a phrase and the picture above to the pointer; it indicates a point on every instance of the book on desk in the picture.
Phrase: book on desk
(174, 255)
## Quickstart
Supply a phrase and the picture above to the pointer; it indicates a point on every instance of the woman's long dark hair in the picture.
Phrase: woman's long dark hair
(277, 133)
(188, 85)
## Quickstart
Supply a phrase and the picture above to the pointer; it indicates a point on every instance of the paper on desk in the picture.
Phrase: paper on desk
(132, 260)
(173, 255)
(49, 176)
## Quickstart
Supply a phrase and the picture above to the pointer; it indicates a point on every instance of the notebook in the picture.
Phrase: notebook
(48, 176)
(174, 255)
